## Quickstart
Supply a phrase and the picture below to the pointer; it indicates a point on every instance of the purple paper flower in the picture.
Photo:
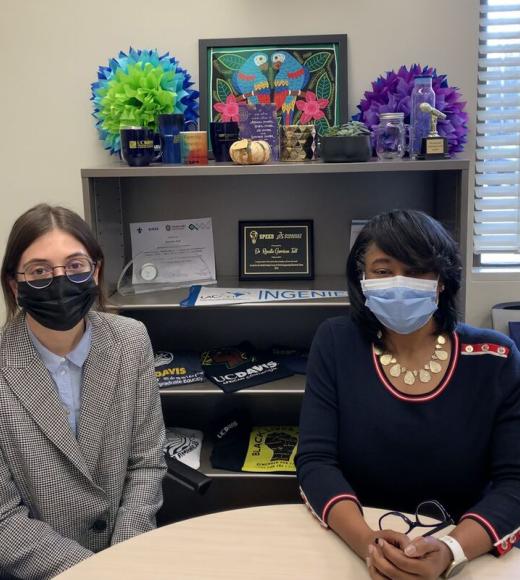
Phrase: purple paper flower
(391, 93)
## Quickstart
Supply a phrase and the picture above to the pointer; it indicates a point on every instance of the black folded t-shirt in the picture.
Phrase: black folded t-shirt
(238, 367)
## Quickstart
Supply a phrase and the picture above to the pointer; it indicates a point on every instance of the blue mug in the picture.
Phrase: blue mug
(223, 135)
(137, 146)
(170, 127)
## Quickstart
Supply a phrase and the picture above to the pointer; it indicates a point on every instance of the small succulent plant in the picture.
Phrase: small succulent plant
(350, 129)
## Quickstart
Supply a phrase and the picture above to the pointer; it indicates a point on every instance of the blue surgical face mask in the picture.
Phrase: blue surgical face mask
(400, 303)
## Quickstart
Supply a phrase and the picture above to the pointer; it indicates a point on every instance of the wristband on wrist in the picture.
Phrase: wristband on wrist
(459, 558)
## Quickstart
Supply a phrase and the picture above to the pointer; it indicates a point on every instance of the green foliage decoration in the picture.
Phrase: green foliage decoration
(350, 129)
(136, 97)
(316, 61)
(231, 61)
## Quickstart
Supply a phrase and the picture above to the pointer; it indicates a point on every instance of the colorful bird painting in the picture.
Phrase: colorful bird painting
(250, 80)
(291, 78)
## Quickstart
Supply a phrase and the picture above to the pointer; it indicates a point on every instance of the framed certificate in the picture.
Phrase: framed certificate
(276, 250)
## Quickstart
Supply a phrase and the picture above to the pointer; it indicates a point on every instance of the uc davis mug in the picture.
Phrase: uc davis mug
(137, 146)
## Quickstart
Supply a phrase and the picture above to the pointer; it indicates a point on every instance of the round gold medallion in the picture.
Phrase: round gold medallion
(385, 359)
(409, 378)
(435, 367)
(395, 370)
(442, 354)
(424, 376)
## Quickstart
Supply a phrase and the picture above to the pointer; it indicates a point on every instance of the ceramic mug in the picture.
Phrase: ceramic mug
(170, 128)
(222, 136)
(194, 147)
(137, 146)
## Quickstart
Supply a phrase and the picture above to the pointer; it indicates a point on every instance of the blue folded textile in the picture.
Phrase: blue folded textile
(178, 368)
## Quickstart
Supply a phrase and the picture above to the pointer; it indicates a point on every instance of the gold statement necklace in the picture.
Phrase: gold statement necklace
(410, 375)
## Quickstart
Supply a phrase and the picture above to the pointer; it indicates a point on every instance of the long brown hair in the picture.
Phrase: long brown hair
(32, 224)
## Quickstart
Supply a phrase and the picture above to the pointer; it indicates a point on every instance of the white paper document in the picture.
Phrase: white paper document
(174, 253)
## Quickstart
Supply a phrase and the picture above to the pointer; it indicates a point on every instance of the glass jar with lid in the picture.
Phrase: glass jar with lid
(390, 136)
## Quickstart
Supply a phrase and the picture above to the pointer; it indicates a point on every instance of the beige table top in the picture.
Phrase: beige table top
(264, 543)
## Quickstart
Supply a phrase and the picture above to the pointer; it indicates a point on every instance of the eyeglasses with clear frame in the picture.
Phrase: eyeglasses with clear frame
(426, 510)
(40, 275)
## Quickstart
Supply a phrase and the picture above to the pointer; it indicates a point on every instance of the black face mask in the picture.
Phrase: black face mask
(59, 306)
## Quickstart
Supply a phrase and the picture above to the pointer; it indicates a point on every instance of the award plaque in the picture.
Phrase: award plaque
(276, 250)
(433, 146)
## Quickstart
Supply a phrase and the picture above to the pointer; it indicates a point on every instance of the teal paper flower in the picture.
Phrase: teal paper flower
(137, 87)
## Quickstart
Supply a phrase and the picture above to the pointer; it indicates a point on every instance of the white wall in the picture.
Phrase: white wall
(51, 50)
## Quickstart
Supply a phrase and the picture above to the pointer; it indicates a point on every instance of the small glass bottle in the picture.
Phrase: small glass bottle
(390, 136)
(420, 122)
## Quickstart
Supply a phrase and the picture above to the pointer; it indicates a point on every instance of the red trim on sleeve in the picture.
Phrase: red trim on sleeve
(333, 501)
(485, 523)
(501, 545)
(311, 509)
(484, 348)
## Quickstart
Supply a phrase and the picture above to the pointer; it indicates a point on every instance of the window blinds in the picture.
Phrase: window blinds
(497, 187)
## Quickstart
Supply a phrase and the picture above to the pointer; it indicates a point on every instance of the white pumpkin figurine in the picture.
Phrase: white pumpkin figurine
(247, 152)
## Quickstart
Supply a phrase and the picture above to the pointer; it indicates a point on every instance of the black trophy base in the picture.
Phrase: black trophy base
(434, 148)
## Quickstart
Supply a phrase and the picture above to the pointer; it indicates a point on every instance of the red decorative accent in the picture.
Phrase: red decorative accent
(296, 73)
(279, 98)
(421, 398)
(264, 98)
(484, 348)
(245, 77)
(332, 502)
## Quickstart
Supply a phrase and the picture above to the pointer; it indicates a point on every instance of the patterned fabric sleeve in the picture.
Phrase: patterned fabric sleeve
(322, 484)
(142, 493)
(498, 512)
(30, 548)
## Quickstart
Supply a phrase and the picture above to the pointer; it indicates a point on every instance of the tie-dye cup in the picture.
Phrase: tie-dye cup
(194, 147)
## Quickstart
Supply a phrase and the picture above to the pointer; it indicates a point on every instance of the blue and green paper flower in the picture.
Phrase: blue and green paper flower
(135, 88)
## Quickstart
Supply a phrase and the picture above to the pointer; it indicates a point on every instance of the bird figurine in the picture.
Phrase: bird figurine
(250, 80)
(291, 78)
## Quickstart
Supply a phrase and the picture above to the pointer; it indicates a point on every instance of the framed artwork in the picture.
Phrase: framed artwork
(304, 76)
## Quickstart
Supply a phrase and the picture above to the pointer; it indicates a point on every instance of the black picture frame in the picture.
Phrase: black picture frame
(266, 240)
(309, 43)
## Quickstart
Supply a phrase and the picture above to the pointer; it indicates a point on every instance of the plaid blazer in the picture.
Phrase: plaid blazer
(62, 498)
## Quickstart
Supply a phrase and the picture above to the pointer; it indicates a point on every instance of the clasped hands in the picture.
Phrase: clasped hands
(394, 555)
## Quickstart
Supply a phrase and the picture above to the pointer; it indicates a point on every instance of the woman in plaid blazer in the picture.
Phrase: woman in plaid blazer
(81, 428)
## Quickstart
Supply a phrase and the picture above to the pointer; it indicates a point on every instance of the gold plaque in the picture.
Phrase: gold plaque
(435, 146)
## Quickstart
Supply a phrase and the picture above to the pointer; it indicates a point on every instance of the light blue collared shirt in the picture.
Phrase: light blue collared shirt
(67, 373)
